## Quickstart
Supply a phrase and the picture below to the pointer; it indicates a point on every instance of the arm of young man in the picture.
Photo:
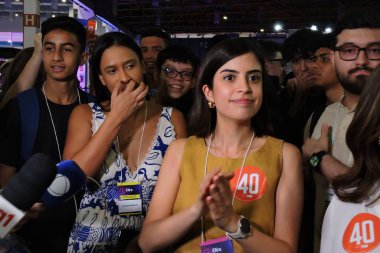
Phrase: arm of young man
(29, 74)
(289, 200)
(329, 166)
(298, 87)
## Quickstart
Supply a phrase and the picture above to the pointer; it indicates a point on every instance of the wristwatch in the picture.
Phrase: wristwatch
(244, 229)
(316, 158)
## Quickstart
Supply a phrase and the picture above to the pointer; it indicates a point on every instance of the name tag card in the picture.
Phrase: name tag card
(130, 202)
(222, 245)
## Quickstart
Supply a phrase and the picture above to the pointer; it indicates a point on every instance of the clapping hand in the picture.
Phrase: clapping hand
(219, 202)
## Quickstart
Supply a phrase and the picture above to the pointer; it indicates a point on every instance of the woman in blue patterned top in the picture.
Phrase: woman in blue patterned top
(119, 143)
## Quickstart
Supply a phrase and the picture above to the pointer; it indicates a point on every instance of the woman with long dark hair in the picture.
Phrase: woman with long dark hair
(119, 143)
(250, 184)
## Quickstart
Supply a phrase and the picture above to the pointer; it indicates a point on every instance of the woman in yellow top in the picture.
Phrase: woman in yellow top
(250, 185)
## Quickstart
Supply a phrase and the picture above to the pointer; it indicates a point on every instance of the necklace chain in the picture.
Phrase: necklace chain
(129, 138)
(52, 121)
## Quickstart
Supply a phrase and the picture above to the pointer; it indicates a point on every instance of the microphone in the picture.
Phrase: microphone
(68, 181)
(25, 189)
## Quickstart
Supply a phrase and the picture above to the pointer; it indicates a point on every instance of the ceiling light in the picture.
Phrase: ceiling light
(262, 30)
(63, 1)
(53, 15)
(16, 14)
(278, 27)
(328, 30)
(314, 28)
(225, 17)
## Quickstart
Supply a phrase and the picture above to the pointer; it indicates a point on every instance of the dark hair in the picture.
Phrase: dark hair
(354, 19)
(16, 66)
(218, 38)
(302, 43)
(270, 48)
(104, 42)
(363, 140)
(156, 32)
(202, 119)
(326, 41)
(67, 24)
(179, 54)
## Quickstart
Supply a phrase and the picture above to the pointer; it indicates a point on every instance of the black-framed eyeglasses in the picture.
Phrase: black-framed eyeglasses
(173, 73)
(351, 52)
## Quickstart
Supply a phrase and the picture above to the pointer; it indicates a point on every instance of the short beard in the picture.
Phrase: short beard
(356, 86)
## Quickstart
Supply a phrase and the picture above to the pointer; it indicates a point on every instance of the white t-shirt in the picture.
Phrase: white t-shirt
(351, 227)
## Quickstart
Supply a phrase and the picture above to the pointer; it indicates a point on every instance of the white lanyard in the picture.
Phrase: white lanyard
(241, 169)
(51, 118)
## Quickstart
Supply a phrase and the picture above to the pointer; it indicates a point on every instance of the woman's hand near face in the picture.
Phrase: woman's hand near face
(125, 101)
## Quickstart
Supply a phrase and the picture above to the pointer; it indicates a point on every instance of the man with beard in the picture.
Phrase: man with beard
(356, 54)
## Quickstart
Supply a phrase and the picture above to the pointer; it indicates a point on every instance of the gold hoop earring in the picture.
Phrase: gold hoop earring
(211, 104)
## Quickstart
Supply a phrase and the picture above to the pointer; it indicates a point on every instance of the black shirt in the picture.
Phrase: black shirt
(50, 232)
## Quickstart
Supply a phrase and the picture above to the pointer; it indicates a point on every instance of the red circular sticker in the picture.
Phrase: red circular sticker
(252, 184)
(362, 233)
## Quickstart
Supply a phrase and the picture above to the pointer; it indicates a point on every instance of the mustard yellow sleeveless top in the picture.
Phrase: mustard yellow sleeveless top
(255, 197)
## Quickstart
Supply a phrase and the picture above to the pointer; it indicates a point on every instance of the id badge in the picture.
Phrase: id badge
(222, 245)
(129, 202)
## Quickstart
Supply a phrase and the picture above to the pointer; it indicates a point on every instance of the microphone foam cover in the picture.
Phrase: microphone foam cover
(27, 186)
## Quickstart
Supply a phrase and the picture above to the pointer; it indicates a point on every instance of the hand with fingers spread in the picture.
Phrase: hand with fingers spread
(219, 202)
(126, 99)
(312, 146)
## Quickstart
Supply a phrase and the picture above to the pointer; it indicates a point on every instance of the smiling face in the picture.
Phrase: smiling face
(120, 64)
(354, 74)
(150, 47)
(176, 87)
(237, 88)
(61, 55)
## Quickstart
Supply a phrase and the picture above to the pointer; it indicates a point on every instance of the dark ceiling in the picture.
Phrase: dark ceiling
(206, 16)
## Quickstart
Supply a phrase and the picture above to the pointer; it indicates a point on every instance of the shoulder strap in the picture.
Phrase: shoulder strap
(29, 117)
(315, 117)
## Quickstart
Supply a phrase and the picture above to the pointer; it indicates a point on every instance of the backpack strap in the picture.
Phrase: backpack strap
(29, 117)
(315, 117)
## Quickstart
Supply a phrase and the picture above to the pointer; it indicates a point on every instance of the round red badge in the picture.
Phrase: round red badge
(252, 184)
(362, 234)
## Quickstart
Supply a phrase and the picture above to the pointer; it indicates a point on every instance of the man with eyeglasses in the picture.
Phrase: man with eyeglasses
(177, 66)
(355, 56)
